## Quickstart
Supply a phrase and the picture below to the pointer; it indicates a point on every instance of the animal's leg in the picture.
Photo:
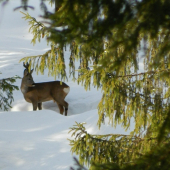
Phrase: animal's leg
(60, 108)
(34, 104)
(40, 106)
(61, 102)
(65, 104)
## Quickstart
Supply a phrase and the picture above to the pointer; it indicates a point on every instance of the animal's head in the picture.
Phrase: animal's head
(27, 78)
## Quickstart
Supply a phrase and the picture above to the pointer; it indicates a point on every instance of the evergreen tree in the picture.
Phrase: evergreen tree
(111, 35)
(6, 92)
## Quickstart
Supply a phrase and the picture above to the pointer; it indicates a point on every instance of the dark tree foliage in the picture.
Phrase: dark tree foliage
(6, 92)
(123, 49)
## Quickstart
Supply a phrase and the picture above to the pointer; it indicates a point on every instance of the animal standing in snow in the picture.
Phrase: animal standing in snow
(36, 93)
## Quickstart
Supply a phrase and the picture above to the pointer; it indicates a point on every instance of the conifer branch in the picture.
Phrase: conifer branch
(80, 167)
(139, 74)
(6, 92)
(92, 143)
(38, 29)
(25, 7)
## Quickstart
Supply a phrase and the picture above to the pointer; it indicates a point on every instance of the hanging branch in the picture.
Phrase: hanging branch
(36, 28)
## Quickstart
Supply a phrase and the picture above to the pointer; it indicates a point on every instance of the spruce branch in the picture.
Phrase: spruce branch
(138, 74)
(25, 7)
(120, 144)
(6, 92)
(78, 165)
(37, 28)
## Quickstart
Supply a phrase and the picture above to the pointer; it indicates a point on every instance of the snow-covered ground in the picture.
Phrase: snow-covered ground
(38, 140)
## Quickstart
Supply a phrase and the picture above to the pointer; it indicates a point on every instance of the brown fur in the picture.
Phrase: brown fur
(36, 93)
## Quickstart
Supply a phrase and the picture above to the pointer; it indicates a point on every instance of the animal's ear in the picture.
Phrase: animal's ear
(25, 72)
(31, 71)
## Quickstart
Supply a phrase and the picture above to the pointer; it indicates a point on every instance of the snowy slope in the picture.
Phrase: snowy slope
(38, 140)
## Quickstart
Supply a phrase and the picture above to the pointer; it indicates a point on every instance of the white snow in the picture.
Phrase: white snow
(38, 140)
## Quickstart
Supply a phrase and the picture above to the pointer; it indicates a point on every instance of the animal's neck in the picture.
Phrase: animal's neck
(24, 88)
